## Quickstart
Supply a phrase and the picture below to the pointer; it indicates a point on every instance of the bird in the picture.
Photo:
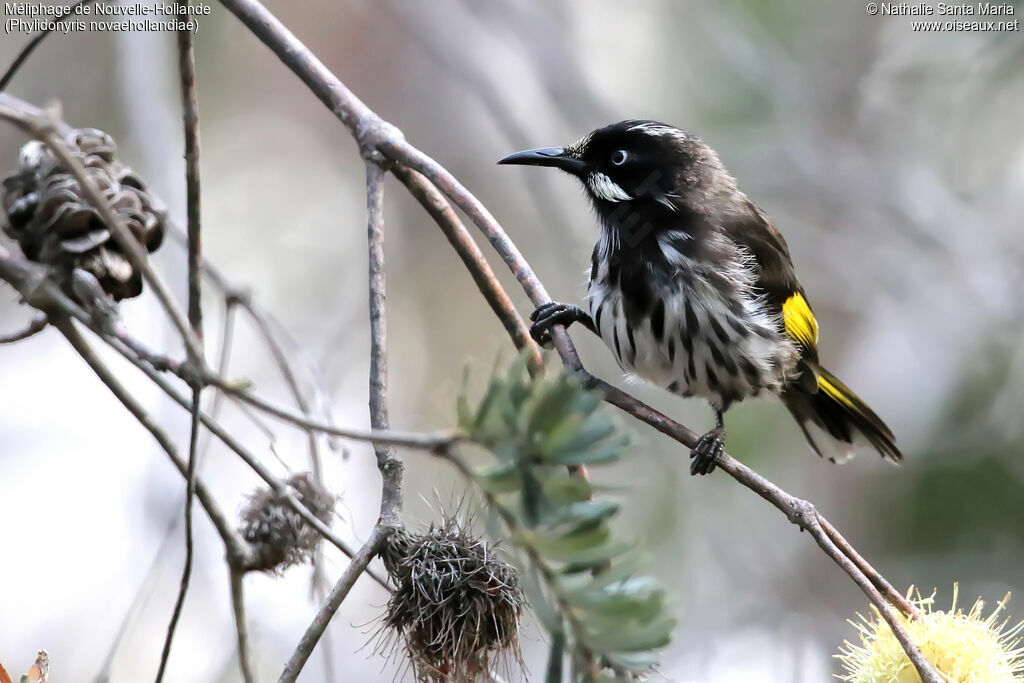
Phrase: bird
(693, 289)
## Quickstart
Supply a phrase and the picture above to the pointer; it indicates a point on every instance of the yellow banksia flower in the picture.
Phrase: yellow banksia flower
(963, 647)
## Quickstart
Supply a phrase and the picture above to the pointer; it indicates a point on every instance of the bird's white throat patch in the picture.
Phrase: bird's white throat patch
(605, 188)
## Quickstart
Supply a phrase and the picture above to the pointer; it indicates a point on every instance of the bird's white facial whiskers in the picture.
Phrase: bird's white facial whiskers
(605, 188)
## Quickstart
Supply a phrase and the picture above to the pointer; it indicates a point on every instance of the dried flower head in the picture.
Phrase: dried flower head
(456, 605)
(280, 538)
(965, 648)
(46, 210)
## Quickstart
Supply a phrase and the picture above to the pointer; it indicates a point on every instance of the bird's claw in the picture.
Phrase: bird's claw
(546, 316)
(705, 454)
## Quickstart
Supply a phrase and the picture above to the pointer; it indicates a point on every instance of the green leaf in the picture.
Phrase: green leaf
(579, 434)
(555, 657)
(582, 514)
(583, 551)
(632, 637)
(633, 661)
(563, 488)
(463, 412)
(608, 452)
(546, 613)
(552, 404)
(640, 598)
(534, 429)
(501, 478)
(624, 569)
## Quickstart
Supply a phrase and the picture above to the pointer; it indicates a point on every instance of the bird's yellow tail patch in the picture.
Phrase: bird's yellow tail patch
(800, 322)
(837, 394)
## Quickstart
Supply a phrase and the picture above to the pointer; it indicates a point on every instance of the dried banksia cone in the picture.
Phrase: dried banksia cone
(45, 209)
(279, 537)
(456, 605)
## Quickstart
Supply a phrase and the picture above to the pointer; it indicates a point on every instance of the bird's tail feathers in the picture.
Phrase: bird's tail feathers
(835, 420)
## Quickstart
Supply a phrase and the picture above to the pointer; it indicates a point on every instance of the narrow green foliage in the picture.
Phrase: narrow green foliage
(581, 580)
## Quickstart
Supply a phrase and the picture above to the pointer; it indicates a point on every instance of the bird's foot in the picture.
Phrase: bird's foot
(705, 454)
(550, 314)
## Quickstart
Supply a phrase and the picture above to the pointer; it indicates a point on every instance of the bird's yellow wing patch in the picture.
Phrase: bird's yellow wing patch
(800, 322)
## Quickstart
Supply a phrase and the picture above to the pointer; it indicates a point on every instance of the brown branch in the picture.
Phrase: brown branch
(190, 118)
(236, 546)
(877, 580)
(285, 366)
(315, 630)
(142, 595)
(388, 437)
(237, 576)
(388, 462)
(227, 336)
(34, 327)
(186, 572)
(38, 290)
(476, 263)
(32, 282)
(376, 137)
(275, 335)
(249, 459)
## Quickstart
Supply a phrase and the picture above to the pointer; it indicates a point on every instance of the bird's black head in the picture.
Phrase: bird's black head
(635, 161)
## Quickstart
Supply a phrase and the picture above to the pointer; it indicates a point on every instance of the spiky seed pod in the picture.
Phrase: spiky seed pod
(456, 605)
(45, 209)
(280, 538)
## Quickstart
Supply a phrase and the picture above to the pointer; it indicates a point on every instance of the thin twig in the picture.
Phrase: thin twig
(32, 282)
(388, 462)
(186, 572)
(249, 459)
(32, 44)
(233, 541)
(388, 437)
(455, 57)
(238, 550)
(886, 588)
(227, 336)
(190, 117)
(799, 511)
(34, 327)
(142, 596)
(276, 335)
(285, 366)
(341, 589)
(237, 577)
(476, 263)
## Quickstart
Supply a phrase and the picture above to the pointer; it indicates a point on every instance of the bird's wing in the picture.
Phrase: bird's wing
(777, 281)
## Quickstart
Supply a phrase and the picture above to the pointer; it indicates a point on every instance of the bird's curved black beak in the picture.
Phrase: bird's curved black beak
(556, 157)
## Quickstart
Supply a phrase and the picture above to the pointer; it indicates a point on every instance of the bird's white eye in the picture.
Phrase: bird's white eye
(619, 157)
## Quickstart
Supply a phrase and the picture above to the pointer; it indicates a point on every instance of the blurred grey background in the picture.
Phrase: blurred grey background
(892, 160)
